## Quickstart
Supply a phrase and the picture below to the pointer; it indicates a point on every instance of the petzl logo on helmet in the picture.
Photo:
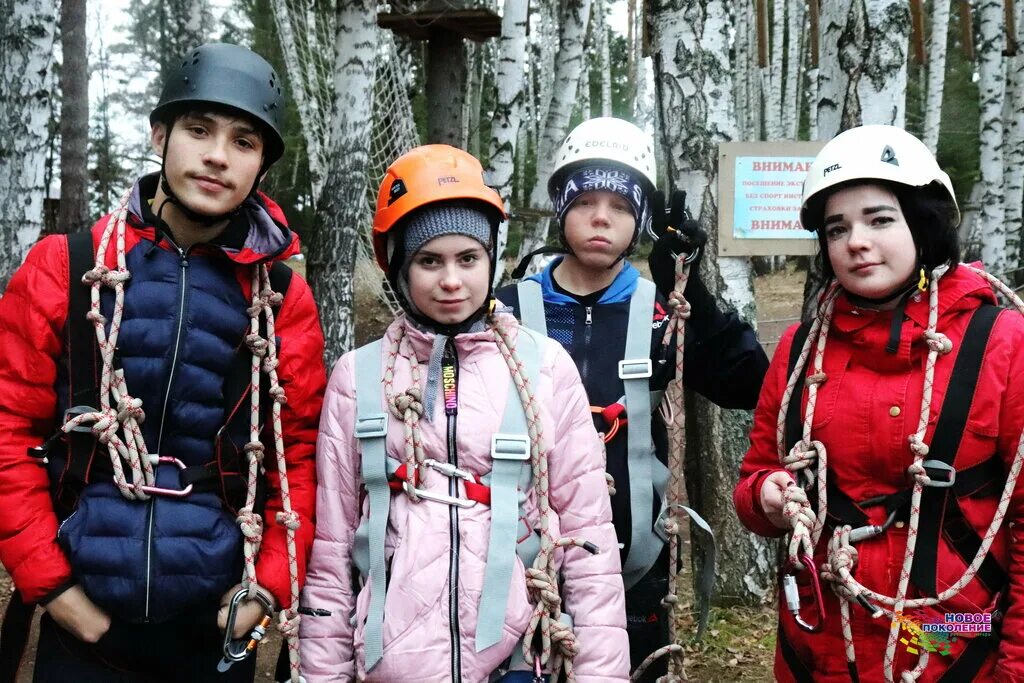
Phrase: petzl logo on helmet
(396, 191)
(447, 180)
(889, 156)
(833, 167)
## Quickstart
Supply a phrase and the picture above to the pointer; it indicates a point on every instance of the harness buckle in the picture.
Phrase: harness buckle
(238, 650)
(792, 593)
(635, 368)
(943, 469)
(159, 490)
(73, 412)
(372, 426)
(448, 470)
(510, 447)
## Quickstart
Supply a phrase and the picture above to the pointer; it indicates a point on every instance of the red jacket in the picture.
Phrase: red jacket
(33, 312)
(867, 407)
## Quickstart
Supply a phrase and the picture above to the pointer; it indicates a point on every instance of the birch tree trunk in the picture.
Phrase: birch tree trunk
(74, 119)
(694, 91)
(936, 73)
(773, 93)
(342, 207)
(796, 17)
(882, 92)
(991, 89)
(1014, 160)
(508, 113)
(26, 44)
(568, 65)
(832, 79)
(742, 98)
(474, 95)
(605, 72)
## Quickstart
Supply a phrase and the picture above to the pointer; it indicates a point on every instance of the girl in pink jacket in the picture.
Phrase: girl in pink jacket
(463, 525)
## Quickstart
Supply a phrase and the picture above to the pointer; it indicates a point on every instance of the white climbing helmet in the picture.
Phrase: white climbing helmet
(605, 139)
(873, 152)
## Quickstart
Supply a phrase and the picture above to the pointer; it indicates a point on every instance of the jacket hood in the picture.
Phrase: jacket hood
(620, 289)
(257, 233)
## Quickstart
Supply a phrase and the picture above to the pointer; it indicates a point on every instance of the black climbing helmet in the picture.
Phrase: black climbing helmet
(230, 76)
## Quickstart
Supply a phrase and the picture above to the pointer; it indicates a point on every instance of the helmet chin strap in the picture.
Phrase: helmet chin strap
(189, 213)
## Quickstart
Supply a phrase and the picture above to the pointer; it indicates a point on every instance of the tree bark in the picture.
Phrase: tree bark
(1015, 146)
(936, 73)
(882, 91)
(74, 119)
(508, 113)
(26, 44)
(446, 87)
(342, 207)
(991, 89)
(773, 94)
(796, 17)
(694, 91)
(605, 69)
(568, 66)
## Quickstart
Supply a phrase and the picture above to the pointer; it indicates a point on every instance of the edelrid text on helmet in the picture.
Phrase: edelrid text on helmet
(875, 152)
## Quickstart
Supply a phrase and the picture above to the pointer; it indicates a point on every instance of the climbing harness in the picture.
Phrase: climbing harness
(674, 495)
(807, 460)
(115, 423)
(519, 457)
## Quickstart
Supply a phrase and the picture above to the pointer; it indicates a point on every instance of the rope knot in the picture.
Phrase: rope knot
(288, 622)
(277, 393)
(255, 450)
(919, 473)
(407, 404)
(270, 364)
(130, 407)
(251, 525)
(802, 455)
(289, 519)
(96, 318)
(270, 298)
(938, 342)
(105, 428)
(94, 275)
(115, 277)
(816, 378)
(257, 344)
(918, 446)
(679, 305)
(563, 636)
(254, 310)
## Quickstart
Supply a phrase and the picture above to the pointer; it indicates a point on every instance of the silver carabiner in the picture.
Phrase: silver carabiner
(238, 650)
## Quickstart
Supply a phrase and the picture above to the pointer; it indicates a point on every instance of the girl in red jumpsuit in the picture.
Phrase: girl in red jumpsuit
(887, 437)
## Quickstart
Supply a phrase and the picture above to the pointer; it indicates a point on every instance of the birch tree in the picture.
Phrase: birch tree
(605, 67)
(693, 79)
(991, 228)
(26, 44)
(508, 112)
(1014, 160)
(74, 119)
(882, 90)
(342, 204)
(936, 73)
(795, 18)
(771, 74)
(568, 65)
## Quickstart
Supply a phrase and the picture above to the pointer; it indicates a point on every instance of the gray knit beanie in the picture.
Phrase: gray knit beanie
(444, 219)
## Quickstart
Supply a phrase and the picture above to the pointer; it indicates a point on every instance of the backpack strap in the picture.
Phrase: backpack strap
(635, 371)
(939, 509)
(531, 306)
(510, 456)
(371, 429)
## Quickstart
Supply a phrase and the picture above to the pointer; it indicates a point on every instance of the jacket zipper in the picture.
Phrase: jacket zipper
(183, 255)
(585, 356)
(453, 516)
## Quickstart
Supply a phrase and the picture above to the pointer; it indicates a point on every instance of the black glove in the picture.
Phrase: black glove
(676, 232)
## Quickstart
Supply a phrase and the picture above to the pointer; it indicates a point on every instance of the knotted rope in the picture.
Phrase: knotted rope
(675, 491)
(841, 554)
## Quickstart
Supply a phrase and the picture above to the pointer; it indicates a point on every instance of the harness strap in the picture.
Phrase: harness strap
(14, 633)
(531, 306)
(510, 453)
(371, 429)
(635, 371)
(940, 511)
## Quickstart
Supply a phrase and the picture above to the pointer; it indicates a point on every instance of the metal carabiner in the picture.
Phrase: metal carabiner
(792, 595)
(160, 491)
(238, 650)
(863, 533)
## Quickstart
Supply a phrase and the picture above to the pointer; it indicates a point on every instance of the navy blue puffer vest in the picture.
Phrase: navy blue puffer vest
(184, 322)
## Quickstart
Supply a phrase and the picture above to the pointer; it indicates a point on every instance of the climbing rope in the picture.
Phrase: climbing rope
(841, 553)
(119, 411)
(675, 491)
(558, 642)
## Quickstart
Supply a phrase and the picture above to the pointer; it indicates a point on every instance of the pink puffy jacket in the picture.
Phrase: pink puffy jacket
(418, 638)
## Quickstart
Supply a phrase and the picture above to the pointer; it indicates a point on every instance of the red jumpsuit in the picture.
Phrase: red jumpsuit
(867, 407)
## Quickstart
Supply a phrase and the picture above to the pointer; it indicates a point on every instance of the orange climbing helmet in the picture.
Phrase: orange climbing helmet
(424, 175)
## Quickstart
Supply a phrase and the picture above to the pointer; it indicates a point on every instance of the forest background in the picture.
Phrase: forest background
(506, 80)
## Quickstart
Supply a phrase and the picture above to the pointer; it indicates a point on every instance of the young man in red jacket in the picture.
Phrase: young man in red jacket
(157, 383)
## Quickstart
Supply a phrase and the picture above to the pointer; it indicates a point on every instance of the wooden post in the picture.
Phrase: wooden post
(966, 29)
(814, 14)
(917, 30)
(762, 33)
